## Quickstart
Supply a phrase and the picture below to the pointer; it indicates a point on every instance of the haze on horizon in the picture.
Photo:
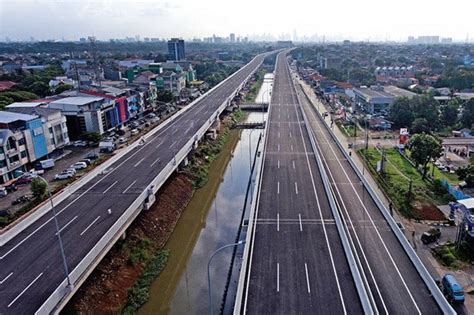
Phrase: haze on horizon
(336, 19)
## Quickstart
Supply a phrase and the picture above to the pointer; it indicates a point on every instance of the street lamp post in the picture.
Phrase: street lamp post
(58, 232)
(209, 273)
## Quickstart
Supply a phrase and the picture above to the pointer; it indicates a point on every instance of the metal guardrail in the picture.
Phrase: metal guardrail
(356, 273)
(430, 283)
(61, 295)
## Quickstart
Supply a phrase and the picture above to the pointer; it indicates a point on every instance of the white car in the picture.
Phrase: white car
(79, 165)
(63, 175)
(122, 140)
(79, 143)
(134, 132)
(70, 170)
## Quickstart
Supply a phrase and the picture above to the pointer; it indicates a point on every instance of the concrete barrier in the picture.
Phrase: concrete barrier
(62, 294)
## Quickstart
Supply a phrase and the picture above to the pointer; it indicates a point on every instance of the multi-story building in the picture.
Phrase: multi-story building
(22, 140)
(176, 49)
(53, 122)
(171, 81)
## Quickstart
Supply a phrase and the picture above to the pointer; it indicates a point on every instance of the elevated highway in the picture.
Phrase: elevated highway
(32, 277)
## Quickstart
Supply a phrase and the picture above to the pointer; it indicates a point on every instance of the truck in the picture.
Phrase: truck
(107, 146)
(45, 164)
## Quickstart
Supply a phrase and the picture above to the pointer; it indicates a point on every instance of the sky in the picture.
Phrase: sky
(379, 20)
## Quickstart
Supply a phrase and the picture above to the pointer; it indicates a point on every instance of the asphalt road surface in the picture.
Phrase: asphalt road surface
(298, 265)
(30, 264)
(394, 282)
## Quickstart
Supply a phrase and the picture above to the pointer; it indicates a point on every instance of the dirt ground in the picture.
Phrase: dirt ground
(105, 290)
(428, 212)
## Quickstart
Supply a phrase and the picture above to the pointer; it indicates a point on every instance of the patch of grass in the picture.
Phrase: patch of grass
(253, 91)
(349, 130)
(451, 256)
(141, 252)
(139, 293)
(396, 184)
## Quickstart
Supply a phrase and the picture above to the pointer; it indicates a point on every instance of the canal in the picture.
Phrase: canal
(211, 220)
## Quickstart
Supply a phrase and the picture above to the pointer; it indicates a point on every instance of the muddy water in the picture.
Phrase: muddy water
(210, 220)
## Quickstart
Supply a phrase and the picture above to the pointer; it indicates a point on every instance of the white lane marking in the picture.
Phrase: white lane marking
(154, 162)
(307, 277)
(138, 163)
(278, 222)
(89, 226)
(320, 211)
(278, 134)
(159, 144)
(278, 187)
(5, 279)
(301, 223)
(278, 277)
(172, 144)
(278, 163)
(123, 192)
(290, 134)
(278, 147)
(370, 218)
(294, 167)
(24, 290)
(65, 226)
(292, 148)
(110, 187)
(72, 202)
(296, 187)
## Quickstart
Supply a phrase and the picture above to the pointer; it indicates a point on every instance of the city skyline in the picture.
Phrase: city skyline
(107, 19)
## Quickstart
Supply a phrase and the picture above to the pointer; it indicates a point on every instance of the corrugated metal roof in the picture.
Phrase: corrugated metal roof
(8, 117)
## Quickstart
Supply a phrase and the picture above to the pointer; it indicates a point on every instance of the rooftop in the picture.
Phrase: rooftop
(40, 111)
(25, 104)
(371, 93)
(9, 117)
(398, 92)
(77, 100)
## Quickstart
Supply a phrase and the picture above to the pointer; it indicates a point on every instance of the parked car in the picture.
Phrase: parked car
(63, 175)
(122, 140)
(155, 120)
(150, 116)
(24, 180)
(21, 199)
(11, 188)
(70, 170)
(92, 156)
(45, 164)
(87, 161)
(134, 132)
(147, 124)
(79, 165)
(431, 236)
(452, 289)
(79, 143)
(3, 192)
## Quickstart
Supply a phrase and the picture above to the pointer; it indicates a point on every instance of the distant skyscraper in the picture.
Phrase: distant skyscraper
(176, 49)
(232, 37)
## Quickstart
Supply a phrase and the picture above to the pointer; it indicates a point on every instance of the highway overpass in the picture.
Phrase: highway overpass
(32, 277)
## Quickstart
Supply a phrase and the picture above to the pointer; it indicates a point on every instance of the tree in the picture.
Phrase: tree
(165, 96)
(420, 125)
(426, 107)
(38, 188)
(449, 114)
(468, 114)
(62, 87)
(400, 113)
(92, 136)
(424, 148)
